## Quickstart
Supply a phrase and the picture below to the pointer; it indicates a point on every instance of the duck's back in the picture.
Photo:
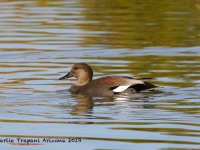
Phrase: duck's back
(110, 85)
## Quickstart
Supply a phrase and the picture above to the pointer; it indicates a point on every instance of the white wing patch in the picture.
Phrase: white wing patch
(121, 88)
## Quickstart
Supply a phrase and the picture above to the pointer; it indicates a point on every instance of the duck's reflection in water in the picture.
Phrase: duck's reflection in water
(84, 105)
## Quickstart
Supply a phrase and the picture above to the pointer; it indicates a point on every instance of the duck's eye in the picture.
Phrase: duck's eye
(75, 68)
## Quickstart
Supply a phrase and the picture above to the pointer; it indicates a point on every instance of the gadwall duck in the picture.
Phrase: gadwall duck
(105, 86)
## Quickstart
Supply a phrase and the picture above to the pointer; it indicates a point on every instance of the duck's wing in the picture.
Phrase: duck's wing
(117, 83)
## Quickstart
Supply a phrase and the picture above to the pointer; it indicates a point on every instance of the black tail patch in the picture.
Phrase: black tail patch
(143, 87)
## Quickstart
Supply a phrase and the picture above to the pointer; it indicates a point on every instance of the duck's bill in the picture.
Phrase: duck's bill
(69, 75)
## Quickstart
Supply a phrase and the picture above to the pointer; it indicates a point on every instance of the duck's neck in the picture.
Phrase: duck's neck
(83, 80)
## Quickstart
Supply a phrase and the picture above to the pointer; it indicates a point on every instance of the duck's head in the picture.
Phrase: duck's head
(82, 72)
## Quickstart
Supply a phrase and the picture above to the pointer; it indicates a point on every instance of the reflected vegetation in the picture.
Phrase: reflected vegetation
(137, 24)
(48, 2)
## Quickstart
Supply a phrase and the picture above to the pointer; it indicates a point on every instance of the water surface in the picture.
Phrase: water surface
(40, 40)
